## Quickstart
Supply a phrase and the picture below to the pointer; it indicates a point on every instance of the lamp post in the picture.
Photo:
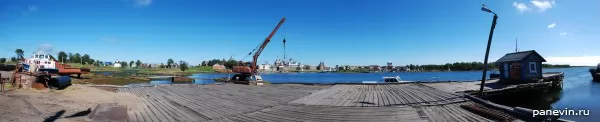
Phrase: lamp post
(487, 50)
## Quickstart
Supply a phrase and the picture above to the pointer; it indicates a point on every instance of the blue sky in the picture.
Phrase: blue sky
(339, 32)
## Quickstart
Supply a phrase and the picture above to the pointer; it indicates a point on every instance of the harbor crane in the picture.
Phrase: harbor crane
(247, 72)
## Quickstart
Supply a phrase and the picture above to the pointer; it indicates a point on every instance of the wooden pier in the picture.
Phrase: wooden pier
(293, 102)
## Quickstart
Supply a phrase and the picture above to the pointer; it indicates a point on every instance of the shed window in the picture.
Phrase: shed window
(532, 67)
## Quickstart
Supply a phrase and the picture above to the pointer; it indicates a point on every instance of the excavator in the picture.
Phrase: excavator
(247, 72)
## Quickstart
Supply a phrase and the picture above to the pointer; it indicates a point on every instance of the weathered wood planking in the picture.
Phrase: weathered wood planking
(293, 103)
(209, 102)
(451, 113)
(297, 113)
(379, 95)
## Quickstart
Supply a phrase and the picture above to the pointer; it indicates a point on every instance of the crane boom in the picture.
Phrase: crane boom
(264, 44)
(253, 66)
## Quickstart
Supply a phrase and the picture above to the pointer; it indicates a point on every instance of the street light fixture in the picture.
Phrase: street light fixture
(487, 50)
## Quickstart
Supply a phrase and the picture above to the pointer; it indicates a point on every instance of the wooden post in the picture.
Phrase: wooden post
(487, 52)
(172, 80)
(1, 83)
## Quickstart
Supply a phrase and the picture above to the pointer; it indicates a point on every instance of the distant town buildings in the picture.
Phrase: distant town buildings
(282, 65)
(107, 63)
(265, 67)
(321, 66)
(117, 64)
(389, 67)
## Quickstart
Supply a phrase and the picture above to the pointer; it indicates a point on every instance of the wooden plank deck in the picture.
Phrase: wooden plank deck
(297, 113)
(287, 102)
(379, 95)
(208, 102)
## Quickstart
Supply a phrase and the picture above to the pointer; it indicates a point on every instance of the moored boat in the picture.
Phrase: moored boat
(595, 72)
(395, 79)
(40, 61)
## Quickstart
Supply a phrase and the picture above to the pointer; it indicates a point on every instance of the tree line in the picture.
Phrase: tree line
(457, 66)
(20, 53)
(76, 58)
(467, 66)
(227, 63)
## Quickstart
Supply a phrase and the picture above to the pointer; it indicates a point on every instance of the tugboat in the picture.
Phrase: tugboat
(595, 72)
(40, 61)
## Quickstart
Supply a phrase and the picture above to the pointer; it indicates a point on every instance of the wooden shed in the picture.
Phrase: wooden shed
(521, 67)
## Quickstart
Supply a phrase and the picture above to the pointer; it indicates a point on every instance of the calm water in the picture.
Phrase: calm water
(328, 78)
(579, 91)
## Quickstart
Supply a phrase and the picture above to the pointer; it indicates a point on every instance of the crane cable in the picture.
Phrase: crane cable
(251, 51)
(284, 36)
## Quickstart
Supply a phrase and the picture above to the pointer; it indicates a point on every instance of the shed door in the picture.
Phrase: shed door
(506, 73)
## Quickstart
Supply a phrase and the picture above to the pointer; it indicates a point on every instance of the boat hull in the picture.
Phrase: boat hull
(60, 82)
(595, 75)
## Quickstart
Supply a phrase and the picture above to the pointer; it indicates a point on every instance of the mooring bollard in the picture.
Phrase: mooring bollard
(172, 80)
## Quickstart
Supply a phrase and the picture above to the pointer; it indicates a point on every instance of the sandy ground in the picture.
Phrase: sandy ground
(71, 104)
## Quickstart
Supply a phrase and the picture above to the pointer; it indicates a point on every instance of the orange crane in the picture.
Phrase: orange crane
(248, 73)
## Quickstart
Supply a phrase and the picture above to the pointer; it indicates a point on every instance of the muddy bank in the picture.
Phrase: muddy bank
(71, 104)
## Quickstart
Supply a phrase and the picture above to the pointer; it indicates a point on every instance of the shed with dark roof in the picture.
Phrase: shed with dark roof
(524, 66)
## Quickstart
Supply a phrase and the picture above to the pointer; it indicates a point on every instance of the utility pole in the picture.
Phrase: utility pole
(487, 51)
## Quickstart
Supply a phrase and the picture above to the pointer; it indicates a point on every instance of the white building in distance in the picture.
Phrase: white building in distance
(117, 64)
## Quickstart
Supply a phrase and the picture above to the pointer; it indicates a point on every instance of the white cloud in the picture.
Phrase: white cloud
(563, 33)
(521, 7)
(45, 48)
(542, 5)
(142, 2)
(575, 61)
(552, 25)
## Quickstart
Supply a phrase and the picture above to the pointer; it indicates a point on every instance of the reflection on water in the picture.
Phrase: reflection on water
(529, 99)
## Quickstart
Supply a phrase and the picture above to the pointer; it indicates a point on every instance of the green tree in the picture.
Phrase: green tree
(170, 63)
(98, 63)
(183, 65)
(204, 63)
(123, 64)
(13, 59)
(20, 53)
(62, 56)
(91, 61)
(138, 63)
(161, 65)
(230, 63)
(71, 58)
(85, 59)
(77, 58)
(213, 62)
(2, 60)
(131, 63)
